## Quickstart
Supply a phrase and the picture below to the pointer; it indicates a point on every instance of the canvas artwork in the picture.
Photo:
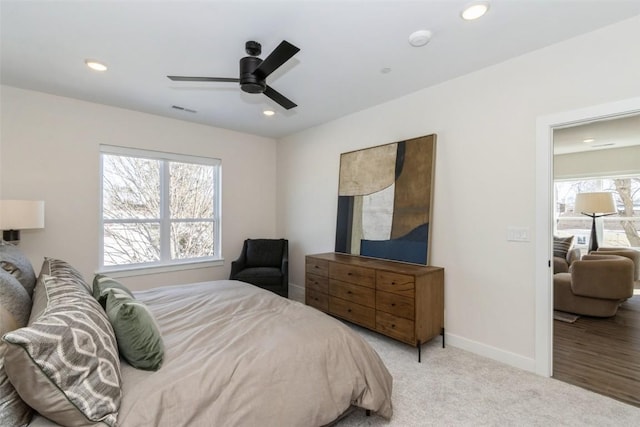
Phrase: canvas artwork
(384, 200)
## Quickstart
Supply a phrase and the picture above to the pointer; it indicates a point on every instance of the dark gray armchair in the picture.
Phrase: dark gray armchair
(264, 263)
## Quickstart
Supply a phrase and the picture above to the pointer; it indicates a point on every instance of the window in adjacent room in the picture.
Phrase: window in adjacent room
(619, 230)
(158, 209)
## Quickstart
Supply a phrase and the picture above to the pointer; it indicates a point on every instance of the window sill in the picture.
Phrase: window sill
(119, 272)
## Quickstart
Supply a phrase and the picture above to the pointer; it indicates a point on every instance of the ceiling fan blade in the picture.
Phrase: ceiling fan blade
(203, 79)
(279, 98)
(279, 56)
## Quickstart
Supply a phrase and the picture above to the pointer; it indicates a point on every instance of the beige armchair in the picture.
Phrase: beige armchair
(632, 254)
(595, 286)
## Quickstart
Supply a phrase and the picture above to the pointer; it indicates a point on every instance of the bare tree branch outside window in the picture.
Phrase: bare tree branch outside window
(134, 206)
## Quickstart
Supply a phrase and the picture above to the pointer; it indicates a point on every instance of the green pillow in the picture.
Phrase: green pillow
(101, 286)
(137, 333)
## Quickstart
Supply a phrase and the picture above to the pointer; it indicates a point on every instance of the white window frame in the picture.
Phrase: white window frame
(165, 264)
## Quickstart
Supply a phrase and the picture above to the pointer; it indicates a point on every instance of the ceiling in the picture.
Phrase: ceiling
(616, 132)
(345, 47)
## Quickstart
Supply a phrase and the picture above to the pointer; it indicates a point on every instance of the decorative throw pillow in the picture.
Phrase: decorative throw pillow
(137, 333)
(562, 245)
(16, 263)
(101, 286)
(65, 365)
(14, 313)
(39, 298)
(66, 272)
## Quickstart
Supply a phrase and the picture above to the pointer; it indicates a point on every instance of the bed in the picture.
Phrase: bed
(238, 355)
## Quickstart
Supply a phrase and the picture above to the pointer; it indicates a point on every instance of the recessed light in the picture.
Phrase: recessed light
(385, 70)
(268, 113)
(95, 65)
(474, 10)
(419, 38)
(588, 140)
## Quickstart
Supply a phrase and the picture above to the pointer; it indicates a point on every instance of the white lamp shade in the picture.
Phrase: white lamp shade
(599, 202)
(21, 214)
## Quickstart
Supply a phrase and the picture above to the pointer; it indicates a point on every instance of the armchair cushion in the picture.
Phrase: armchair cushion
(264, 253)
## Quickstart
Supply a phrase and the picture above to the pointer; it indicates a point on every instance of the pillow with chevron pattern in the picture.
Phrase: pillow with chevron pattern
(65, 364)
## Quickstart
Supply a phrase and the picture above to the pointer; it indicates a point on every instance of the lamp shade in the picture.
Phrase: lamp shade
(21, 214)
(599, 202)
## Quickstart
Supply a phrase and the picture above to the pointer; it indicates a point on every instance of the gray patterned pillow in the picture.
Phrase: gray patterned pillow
(16, 263)
(562, 245)
(65, 365)
(64, 270)
(14, 313)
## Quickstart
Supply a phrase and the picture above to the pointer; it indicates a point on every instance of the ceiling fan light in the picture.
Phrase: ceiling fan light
(474, 10)
(95, 65)
(269, 113)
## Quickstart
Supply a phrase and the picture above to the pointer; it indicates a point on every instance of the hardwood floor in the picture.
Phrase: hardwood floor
(601, 355)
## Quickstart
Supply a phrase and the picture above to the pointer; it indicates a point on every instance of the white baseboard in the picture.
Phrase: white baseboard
(494, 353)
(296, 292)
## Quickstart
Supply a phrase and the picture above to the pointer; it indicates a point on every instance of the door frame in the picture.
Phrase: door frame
(545, 126)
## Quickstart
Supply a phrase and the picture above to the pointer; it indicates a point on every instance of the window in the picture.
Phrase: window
(158, 209)
(619, 230)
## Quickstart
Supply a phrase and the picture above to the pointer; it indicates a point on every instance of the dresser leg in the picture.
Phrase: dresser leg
(442, 333)
(419, 352)
(368, 412)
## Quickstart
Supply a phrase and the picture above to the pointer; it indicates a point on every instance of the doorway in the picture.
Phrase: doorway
(601, 354)
(545, 127)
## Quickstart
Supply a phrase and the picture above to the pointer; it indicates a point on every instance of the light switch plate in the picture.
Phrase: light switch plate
(518, 234)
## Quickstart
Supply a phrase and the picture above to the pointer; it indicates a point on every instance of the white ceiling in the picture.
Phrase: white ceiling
(344, 46)
(616, 132)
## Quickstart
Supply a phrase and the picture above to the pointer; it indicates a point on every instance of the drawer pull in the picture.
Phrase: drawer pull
(349, 292)
(393, 326)
(349, 274)
(349, 310)
(393, 304)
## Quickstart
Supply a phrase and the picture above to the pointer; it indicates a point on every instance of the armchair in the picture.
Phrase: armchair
(264, 263)
(595, 285)
(632, 254)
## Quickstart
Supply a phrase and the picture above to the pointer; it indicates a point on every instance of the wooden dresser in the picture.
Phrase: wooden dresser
(402, 301)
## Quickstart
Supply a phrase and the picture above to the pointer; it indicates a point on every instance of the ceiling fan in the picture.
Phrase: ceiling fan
(254, 71)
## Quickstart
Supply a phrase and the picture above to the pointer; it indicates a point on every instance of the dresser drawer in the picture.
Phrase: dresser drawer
(395, 304)
(356, 313)
(317, 300)
(317, 283)
(401, 284)
(354, 293)
(319, 267)
(348, 273)
(395, 327)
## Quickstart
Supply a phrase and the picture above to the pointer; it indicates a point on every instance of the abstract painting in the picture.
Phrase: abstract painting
(385, 196)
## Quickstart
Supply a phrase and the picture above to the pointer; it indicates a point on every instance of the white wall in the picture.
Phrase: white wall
(50, 152)
(485, 176)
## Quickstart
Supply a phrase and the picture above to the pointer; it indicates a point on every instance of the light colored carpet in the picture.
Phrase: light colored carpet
(453, 387)
(565, 317)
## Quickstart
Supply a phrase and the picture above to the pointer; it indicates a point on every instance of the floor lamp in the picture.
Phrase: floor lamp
(595, 205)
